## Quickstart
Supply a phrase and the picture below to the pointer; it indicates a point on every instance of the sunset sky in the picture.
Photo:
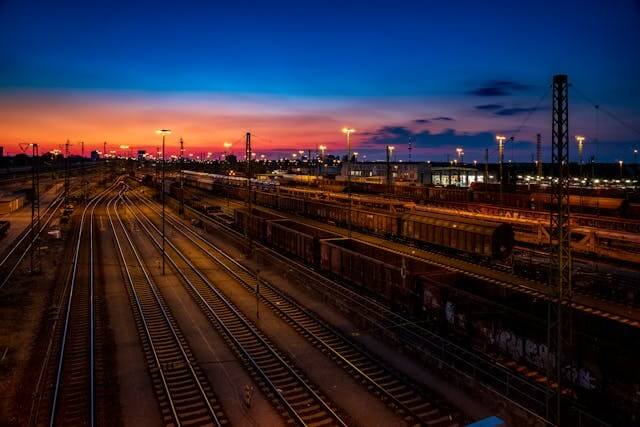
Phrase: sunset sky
(445, 74)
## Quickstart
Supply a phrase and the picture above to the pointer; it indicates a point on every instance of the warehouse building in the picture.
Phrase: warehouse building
(412, 172)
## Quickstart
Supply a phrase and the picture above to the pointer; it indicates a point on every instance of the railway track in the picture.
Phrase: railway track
(182, 389)
(413, 403)
(293, 395)
(71, 358)
(12, 259)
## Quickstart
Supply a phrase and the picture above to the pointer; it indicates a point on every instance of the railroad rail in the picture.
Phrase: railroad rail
(73, 392)
(18, 255)
(182, 389)
(300, 401)
(413, 403)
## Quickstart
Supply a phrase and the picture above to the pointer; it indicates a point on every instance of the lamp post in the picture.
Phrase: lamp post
(460, 154)
(580, 140)
(348, 132)
(390, 149)
(355, 157)
(181, 177)
(164, 133)
(620, 162)
(500, 140)
(321, 160)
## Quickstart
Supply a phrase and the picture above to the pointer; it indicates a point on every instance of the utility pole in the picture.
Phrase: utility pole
(248, 159)
(164, 133)
(66, 173)
(104, 166)
(157, 162)
(348, 132)
(539, 155)
(181, 177)
(35, 207)
(85, 183)
(559, 314)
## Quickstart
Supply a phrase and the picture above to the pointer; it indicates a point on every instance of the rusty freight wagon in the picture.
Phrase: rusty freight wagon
(384, 274)
(482, 238)
(254, 223)
(299, 240)
(377, 222)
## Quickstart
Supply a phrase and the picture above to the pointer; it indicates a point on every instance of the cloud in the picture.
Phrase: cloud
(444, 119)
(513, 111)
(489, 107)
(499, 88)
(422, 121)
(397, 135)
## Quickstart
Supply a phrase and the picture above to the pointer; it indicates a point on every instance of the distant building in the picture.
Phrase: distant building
(411, 172)
(142, 154)
(1, 152)
(95, 156)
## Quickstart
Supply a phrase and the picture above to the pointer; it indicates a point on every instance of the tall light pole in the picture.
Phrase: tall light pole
(460, 154)
(181, 177)
(227, 145)
(389, 150)
(321, 159)
(501, 140)
(348, 132)
(580, 140)
(164, 133)
(620, 162)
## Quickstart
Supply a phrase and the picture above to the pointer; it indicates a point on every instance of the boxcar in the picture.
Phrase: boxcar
(299, 240)
(384, 274)
(254, 223)
(483, 238)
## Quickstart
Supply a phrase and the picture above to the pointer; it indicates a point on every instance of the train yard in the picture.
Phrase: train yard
(590, 304)
(298, 306)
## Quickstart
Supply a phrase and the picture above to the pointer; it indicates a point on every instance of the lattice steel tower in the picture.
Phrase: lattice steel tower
(559, 322)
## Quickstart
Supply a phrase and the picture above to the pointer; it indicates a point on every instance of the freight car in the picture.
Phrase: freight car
(299, 240)
(254, 223)
(384, 274)
(483, 238)
(486, 239)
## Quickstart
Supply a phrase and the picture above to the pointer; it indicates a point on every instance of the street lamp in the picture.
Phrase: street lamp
(322, 148)
(227, 145)
(620, 162)
(501, 140)
(348, 132)
(580, 140)
(355, 156)
(164, 133)
(390, 149)
(460, 154)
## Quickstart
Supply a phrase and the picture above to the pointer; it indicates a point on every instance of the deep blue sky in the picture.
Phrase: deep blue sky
(486, 63)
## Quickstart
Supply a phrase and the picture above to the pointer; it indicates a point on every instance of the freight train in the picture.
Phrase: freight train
(472, 312)
(478, 238)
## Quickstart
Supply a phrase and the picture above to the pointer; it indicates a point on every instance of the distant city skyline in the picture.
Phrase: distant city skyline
(294, 75)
